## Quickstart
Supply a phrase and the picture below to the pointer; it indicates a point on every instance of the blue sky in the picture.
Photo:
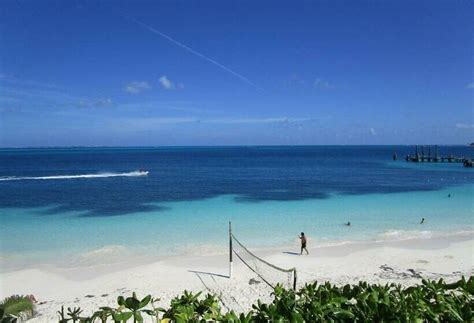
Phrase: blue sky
(92, 73)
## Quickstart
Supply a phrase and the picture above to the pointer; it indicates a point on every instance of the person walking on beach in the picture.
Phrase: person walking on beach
(303, 243)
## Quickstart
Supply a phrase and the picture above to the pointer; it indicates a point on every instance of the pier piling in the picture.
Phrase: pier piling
(420, 156)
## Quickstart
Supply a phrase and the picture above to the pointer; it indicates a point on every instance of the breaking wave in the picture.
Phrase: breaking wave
(100, 175)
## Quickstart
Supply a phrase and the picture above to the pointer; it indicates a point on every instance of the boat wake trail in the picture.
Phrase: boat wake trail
(101, 175)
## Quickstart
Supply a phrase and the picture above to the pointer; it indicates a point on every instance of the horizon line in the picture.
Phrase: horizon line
(231, 145)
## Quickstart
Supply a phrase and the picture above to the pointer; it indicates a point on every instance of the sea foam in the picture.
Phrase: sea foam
(108, 254)
(396, 235)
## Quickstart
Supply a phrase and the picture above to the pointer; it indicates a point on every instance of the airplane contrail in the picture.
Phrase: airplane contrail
(196, 53)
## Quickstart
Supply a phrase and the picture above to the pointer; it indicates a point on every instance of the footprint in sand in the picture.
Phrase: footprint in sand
(421, 261)
(253, 281)
(414, 273)
(386, 268)
(449, 256)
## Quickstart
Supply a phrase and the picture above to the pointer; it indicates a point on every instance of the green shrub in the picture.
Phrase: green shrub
(430, 301)
(15, 304)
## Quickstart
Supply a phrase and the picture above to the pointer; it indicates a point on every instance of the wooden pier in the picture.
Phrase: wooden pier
(421, 157)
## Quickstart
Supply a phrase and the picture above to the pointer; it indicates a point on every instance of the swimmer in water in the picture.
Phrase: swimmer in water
(422, 220)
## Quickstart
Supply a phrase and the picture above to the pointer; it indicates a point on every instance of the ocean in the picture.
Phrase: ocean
(72, 207)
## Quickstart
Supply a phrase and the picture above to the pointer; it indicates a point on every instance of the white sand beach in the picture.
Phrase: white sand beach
(403, 262)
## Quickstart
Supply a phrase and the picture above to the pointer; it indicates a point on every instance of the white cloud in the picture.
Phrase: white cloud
(464, 126)
(96, 103)
(171, 120)
(191, 109)
(470, 85)
(136, 87)
(103, 102)
(196, 53)
(319, 83)
(26, 84)
(166, 83)
(228, 120)
(256, 120)
(50, 98)
(295, 79)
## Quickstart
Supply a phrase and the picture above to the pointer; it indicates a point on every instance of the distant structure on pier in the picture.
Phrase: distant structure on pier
(421, 157)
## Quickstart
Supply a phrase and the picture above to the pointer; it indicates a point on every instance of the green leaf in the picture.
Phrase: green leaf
(132, 303)
(123, 316)
(138, 317)
(343, 314)
(121, 301)
(144, 302)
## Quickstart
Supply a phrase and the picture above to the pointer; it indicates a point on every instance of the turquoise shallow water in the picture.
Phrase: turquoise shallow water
(87, 206)
(200, 227)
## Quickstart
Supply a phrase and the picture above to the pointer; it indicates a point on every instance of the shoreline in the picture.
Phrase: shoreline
(210, 250)
(401, 262)
(35, 240)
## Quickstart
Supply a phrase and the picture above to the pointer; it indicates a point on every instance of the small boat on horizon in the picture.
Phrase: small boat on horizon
(143, 172)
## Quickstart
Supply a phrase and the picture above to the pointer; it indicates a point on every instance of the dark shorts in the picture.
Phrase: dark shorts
(303, 245)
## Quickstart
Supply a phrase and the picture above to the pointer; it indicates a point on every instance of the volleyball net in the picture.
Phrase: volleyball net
(267, 272)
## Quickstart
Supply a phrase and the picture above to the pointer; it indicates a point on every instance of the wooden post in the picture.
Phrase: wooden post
(230, 250)
(294, 279)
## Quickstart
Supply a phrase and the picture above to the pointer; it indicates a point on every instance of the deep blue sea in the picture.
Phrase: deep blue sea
(82, 206)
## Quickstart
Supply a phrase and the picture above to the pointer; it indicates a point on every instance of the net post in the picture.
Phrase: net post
(294, 279)
(230, 250)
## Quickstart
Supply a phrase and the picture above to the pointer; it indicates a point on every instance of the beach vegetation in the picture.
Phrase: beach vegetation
(435, 301)
(72, 315)
(16, 306)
